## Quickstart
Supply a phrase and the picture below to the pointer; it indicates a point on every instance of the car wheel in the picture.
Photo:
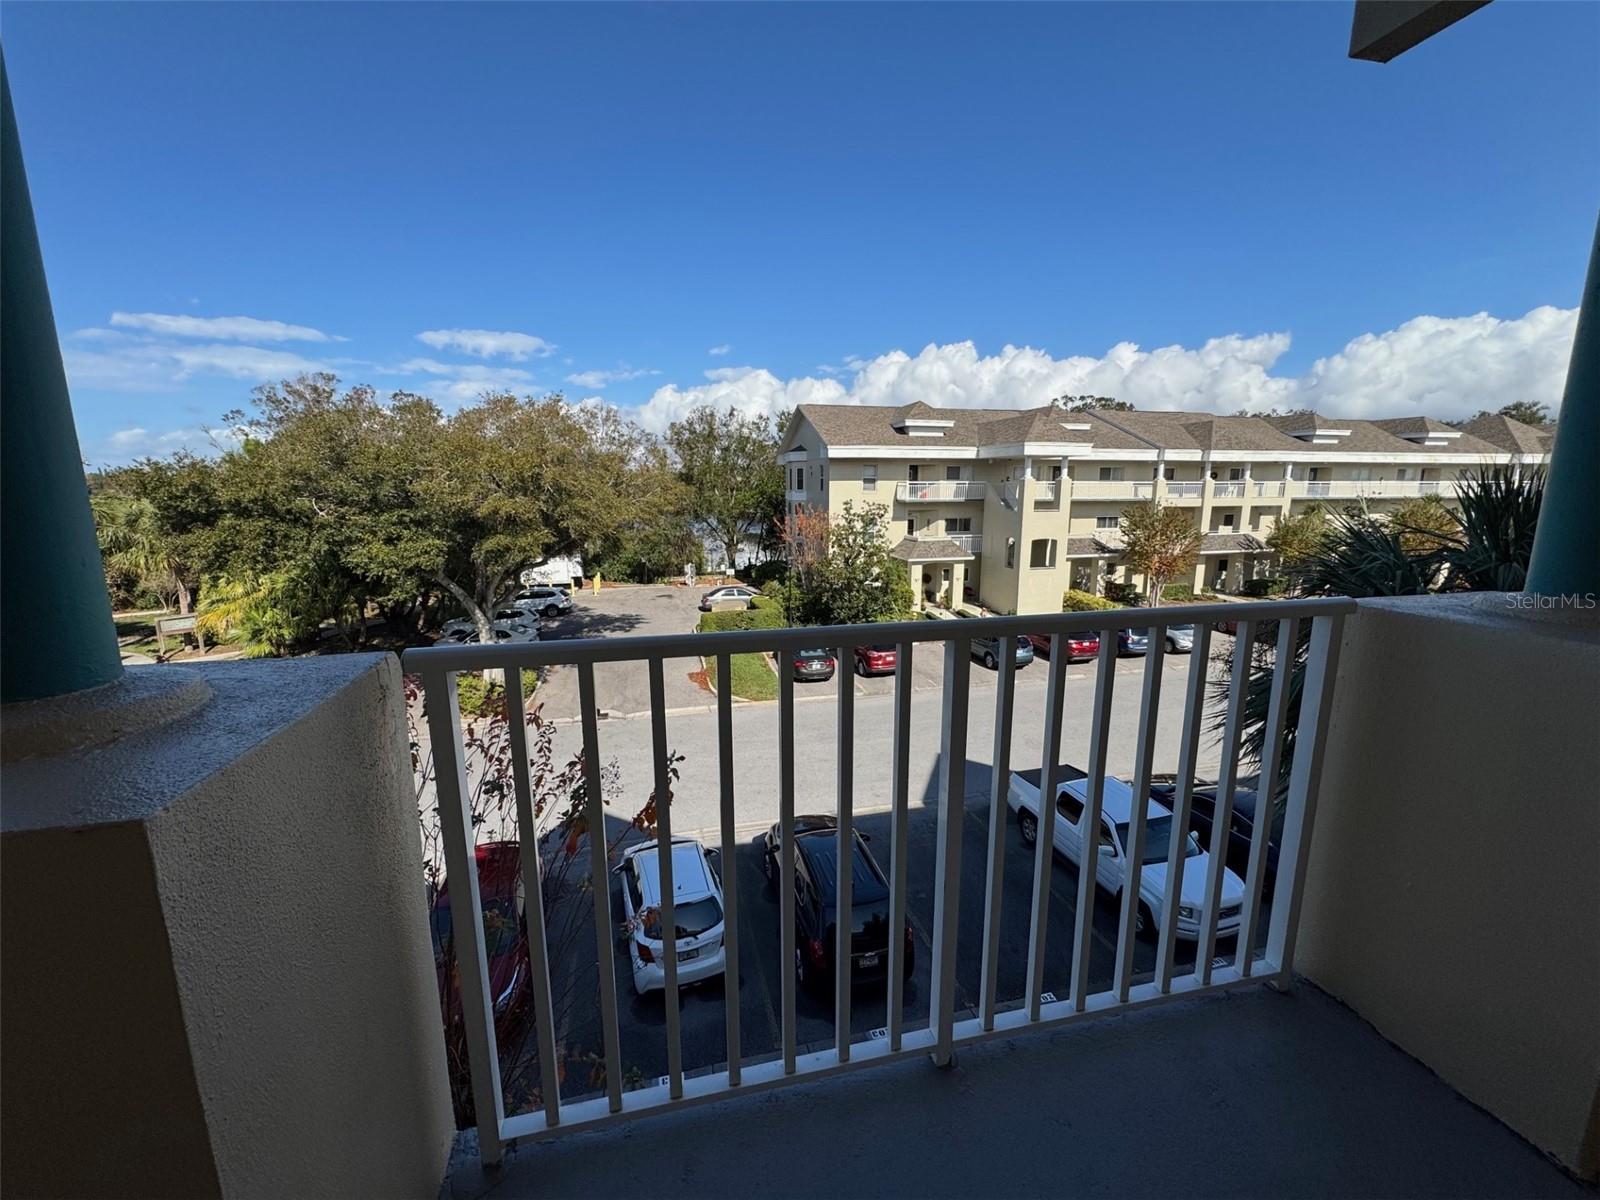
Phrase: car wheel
(990, 661)
(1029, 824)
(551, 612)
(1172, 646)
(861, 668)
(1144, 922)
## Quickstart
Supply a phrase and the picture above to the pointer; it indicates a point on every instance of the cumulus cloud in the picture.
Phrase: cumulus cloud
(126, 445)
(599, 379)
(488, 343)
(719, 351)
(1446, 367)
(112, 360)
(462, 383)
(238, 329)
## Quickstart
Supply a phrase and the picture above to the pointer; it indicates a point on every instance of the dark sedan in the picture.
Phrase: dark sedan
(1131, 643)
(816, 903)
(815, 665)
(1241, 823)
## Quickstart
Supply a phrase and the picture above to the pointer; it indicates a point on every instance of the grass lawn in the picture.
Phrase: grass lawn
(751, 678)
(136, 633)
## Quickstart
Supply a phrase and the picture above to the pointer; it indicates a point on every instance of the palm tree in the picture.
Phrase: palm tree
(132, 540)
(253, 613)
(1364, 556)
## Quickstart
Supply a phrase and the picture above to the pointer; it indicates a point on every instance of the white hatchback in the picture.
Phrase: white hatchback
(697, 913)
(1111, 860)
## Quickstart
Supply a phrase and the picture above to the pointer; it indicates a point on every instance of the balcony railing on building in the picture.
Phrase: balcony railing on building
(1278, 624)
(1227, 489)
(1353, 489)
(918, 491)
(1113, 489)
(1047, 492)
(1184, 491)
(971, 543)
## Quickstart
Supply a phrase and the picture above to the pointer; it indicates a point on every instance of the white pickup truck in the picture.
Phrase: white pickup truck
(1110, 863)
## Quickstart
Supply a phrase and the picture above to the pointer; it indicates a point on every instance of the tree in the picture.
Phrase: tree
(1275, 412)
(1161, 542)
(1529, 412)
(1299, 535)
(1086, 403)
(156, 520)
(729, 462)
(856, 580)
(1423, 522)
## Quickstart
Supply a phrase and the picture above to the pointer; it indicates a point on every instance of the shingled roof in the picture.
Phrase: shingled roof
(1511, 436)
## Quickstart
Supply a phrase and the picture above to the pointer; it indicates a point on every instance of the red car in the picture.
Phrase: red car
(1079, 647)
(876, 660)
(504, 938)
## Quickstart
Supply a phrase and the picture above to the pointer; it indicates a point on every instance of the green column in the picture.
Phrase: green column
(56, 631)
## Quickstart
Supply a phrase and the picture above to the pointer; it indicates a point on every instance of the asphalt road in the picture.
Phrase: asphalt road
(642, 1019)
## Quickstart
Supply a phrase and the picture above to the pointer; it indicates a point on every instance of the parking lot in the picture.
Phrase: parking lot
(642, 1019)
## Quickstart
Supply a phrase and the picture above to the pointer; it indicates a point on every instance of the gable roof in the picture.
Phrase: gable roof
(1508, 435)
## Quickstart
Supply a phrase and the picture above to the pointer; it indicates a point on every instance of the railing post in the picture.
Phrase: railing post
(947, 858)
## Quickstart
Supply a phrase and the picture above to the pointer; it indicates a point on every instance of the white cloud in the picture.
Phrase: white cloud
(599, 379)
(111, 360)
(462, 383)
(238, 329)
(126, 445)
(719, 351)
(1444, 367)
(241, 362)
(487, 343)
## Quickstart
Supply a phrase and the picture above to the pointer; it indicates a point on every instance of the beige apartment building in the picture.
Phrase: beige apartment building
(1011, 507)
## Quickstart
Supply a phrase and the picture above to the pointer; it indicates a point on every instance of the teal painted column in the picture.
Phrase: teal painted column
(56, 631)
(1566, 547)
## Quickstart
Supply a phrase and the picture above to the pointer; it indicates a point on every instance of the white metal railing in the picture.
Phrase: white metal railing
(972, 543)
(940, 489)
(1227, 489)
(1315, 624)
(1271, 487)
(1374, 489)
(1113, 489)
(1047, 491)
(1184, 491)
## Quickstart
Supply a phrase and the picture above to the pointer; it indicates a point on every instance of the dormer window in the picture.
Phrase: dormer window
(922, 426)
(1319, 433)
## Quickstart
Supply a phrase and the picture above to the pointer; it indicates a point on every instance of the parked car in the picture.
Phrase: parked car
(504, 939)
(731, 594)
(816, 665)
(1131, 643)
(1241, 822)
(696, 914)
(1180, 639)
(876, 660)
(988, 649)
(1022, 795)
(548, 602)
(816, 903)
(461, 632)
(1079, 646)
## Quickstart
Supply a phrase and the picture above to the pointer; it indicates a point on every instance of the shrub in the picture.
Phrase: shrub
(1178, 591)
(480, 698)
(1072, 600)
(750, 618)
(763, 574)
(1121, 595)
(1261, 587)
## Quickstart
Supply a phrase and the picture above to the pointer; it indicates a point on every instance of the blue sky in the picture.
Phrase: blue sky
(1195, 205)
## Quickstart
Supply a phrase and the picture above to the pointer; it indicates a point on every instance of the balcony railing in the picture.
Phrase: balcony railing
(1376, 489)
(1227, 489)
(1270, 487)
(940, 489)
(972, 543)
(1113, 489)
(1047, 491)
(1281, 622)
(1184, 491)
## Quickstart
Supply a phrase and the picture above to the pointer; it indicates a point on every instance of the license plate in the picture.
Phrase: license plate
(869, 960)
(686, 955)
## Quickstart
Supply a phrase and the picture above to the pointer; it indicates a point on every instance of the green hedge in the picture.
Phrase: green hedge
(1178, 591)
(1263, 587)
(1072, 600)
(479, 698)
(761, 617)
(1121, 595)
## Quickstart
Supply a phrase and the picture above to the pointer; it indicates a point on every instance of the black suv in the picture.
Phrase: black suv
(816, 902)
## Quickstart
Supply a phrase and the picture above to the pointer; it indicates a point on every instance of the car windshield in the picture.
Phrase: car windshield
(1158, 839)
(501, 926)
(812, 654)
(1023, 642)
(691, 918)
(865, 916)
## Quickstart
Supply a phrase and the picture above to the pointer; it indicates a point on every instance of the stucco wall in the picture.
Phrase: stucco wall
(1453, 896)
(267, 881)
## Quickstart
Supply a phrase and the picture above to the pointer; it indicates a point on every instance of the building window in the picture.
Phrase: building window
(1402, 473)
(1235, 474)
(1111, 474)
(1042, 553)
(953, 472)
(1169, 473)
(911, 527)
(1108, 522)
(958, 524)
(869, 477)
(1227, 520)
(799, 479)
(1055, 472)
(1361, 474)
(1011, 554)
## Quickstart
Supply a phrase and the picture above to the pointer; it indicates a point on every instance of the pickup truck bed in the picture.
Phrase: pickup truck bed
(1065, 773)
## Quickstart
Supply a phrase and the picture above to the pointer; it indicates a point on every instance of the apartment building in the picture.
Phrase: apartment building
(1012, 507)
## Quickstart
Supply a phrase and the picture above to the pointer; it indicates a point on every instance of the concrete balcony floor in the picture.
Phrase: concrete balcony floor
(1250, 1093)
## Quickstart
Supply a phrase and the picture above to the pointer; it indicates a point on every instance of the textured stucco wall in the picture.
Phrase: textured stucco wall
(1453, 896)
(268, 886)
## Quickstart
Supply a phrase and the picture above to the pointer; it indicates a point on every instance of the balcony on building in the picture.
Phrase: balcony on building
(939, 490)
